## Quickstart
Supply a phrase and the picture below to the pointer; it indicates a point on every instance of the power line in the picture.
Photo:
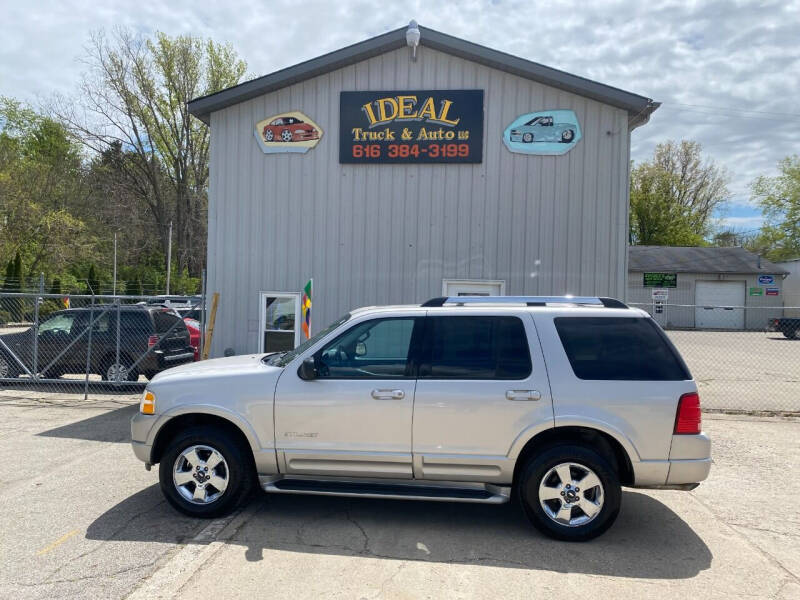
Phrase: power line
(742, 110)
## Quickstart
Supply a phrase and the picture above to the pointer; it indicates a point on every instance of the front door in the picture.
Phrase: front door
(482, 384)
(354, 419)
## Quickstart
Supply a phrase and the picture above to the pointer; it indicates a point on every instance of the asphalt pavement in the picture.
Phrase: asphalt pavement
(83, 519)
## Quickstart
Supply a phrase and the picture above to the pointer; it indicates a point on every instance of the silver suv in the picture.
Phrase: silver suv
(557, 400)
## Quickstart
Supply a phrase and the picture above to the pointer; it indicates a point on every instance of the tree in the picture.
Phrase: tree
(135, 96)
(41, 178)
(674, 195)
(93, 281)
(779, 199)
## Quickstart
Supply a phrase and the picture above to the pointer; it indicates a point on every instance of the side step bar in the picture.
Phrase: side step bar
(392, 489)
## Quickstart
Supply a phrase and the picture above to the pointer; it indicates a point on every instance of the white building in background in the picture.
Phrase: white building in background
(791, 286)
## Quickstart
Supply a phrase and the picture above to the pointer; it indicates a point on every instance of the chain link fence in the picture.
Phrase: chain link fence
(51, 344)
(743, 358)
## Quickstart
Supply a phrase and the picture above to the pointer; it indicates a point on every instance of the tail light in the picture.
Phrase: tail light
(688, 419)
(152, 341)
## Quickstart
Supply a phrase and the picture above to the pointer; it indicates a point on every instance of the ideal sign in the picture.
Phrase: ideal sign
(411, 126)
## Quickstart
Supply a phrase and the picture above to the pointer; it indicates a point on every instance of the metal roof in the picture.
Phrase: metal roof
(681, 259)
(639, 107)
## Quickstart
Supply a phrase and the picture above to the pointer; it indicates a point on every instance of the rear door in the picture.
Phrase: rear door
(482, 383)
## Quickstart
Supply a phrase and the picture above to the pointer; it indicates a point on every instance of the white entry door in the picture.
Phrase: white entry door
(473, 287)
(280, 321)
(714, 304)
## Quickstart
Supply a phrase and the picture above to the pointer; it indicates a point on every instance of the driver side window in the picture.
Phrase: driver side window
(377, 349)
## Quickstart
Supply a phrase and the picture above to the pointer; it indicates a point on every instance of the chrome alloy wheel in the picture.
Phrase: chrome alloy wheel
(571, 494)
(117, 372)
(286, 135)
(200, 474)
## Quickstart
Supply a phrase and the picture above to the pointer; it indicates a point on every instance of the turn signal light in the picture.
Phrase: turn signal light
(148, 404)
(688, 419)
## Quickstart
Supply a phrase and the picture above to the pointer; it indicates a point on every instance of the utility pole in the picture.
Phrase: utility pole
(114, 290)
(169, 255)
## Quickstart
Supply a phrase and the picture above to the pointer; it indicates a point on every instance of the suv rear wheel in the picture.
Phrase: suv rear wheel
(206, 472)
(119, 371)
(8, 368)
(570, 493)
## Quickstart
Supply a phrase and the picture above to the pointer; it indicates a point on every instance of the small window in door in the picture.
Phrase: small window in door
(279, 316)
(376, 349)
(476, 348)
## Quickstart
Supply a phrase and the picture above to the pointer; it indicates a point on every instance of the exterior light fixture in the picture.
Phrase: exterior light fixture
(412, 38)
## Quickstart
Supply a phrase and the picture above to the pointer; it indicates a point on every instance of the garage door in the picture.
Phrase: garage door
(714, 300)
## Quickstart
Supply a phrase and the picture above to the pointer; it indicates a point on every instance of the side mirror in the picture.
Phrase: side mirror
(307, 369)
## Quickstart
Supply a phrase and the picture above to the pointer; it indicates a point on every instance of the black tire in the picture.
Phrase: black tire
(527, 138)
(240, 471)
(8, 367)
(125, 361)
(793, 334)
(567, 136)
(269, 136)
(538, 467)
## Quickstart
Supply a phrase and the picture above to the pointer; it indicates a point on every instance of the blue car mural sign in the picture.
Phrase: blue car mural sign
(546, 132)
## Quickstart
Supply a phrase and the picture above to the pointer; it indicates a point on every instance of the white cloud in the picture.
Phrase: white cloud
(714, 53)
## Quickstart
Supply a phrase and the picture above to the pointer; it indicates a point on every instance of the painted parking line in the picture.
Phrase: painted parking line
(57, 543)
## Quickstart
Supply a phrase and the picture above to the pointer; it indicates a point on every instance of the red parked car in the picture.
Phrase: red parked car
(289, 129)
(194, 335)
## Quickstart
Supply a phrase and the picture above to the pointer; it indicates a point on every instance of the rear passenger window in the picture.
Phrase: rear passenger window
(475, 348)
(619, 348)
(164, 320)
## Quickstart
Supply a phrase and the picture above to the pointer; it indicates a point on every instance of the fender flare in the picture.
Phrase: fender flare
(575, 421)
(205, 409)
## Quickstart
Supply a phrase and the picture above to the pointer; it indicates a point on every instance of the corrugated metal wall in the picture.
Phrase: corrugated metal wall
(379, 234)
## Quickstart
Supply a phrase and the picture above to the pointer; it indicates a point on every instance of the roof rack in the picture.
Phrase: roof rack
(526, 300)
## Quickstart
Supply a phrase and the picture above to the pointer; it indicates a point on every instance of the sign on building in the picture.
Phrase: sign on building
(756, 291)
(766, 280)
(661, 280)
(660, 294)
(772, 291)
(411, 126)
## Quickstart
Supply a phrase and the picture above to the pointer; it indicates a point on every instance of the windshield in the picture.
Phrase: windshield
(284, 358)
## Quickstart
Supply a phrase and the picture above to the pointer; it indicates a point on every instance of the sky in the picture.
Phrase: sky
(727, 73)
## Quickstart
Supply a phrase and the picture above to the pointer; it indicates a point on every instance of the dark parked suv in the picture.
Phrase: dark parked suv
(63, 343)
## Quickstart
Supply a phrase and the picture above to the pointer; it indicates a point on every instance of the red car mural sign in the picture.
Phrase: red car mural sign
(287, 132)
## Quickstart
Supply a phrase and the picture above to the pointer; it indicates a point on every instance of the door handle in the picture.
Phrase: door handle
(388, 394)
(523, 395)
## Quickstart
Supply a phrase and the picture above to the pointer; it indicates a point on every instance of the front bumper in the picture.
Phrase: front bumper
(141, 438)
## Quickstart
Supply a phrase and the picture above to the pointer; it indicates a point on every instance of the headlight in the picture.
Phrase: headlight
(147, 406)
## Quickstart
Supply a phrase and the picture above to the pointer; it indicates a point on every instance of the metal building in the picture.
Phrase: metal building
(706, 288)
(407, 166)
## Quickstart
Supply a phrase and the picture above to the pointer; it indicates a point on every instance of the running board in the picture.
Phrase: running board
(392, 489)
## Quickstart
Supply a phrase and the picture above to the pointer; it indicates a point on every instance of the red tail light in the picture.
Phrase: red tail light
(152, 341)
(687, 419)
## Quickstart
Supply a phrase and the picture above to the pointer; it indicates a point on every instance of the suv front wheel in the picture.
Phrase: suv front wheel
(570, 493)
(205, 472)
